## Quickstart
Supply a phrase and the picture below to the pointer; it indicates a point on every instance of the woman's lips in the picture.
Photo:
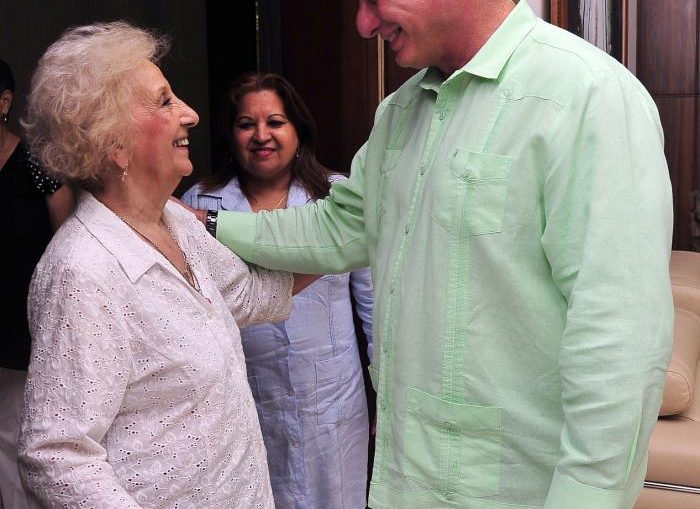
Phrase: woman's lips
(262, 153)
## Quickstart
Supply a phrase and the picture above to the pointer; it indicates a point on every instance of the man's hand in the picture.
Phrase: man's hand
(200, 214)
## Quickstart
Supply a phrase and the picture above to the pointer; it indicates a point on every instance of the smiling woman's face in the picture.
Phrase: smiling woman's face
(264, 138)
(161, 122)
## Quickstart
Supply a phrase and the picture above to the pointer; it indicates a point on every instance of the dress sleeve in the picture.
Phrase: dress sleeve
(363, 297)
(42, 182)
(608, 213)
(79, 370)
(252, 294)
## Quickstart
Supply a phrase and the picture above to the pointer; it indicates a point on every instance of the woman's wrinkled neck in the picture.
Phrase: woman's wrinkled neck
(126, 198)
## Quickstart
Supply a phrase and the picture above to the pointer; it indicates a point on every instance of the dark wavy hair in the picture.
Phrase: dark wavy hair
(7, 81)
(306, 169)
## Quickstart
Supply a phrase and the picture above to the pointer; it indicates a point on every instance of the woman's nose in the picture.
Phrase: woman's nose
(261, 133)
(189, 117)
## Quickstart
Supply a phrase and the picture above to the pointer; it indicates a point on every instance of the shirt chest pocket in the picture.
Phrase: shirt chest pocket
(471, 199)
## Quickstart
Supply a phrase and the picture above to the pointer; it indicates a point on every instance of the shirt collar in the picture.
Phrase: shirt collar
(133, 254)
(232, 197)
(493, 56)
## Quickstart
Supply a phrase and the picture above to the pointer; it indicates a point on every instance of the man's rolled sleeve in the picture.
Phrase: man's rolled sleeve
(569, 494)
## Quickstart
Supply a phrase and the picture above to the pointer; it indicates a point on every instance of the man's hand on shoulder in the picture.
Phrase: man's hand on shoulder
(200, 214)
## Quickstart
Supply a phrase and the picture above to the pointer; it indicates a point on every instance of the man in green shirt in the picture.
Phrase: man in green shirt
(514, 205)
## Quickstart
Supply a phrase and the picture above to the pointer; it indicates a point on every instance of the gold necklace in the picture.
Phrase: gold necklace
(188, 273)
(281, 200)
(252, 200)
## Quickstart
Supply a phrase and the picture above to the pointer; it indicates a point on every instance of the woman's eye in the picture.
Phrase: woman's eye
(276, 123)
(245, 125)
(167, 101)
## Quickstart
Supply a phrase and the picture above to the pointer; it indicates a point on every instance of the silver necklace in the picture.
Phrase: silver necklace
(188, 273)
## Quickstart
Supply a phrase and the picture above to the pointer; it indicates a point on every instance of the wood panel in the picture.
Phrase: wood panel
(334, 69)
(313, 66)
(693, 139)
(360, 92)
(559, 13)
(680, 123)
(667, 46)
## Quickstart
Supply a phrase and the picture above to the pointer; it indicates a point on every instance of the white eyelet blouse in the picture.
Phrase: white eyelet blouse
(137, 393)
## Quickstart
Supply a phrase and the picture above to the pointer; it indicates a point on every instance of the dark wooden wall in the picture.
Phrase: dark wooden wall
(668, 63)
(319, 51)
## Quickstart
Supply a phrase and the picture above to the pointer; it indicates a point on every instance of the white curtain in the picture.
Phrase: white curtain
(596, 22)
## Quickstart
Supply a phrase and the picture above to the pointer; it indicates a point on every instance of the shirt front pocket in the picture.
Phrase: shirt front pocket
(472, 199)
(452, 447)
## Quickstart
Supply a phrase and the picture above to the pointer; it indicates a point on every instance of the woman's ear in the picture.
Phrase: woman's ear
(6, 102)
(119, 157)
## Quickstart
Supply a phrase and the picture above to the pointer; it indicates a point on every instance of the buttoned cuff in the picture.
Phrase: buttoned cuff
(236, 230)
(565, 492)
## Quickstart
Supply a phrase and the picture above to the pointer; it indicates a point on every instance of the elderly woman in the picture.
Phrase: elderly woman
(137, 393)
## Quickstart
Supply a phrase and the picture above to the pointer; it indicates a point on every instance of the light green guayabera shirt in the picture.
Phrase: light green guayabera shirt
(517, 218)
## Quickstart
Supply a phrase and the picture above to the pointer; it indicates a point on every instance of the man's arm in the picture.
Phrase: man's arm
(607, 238)
(327, 236)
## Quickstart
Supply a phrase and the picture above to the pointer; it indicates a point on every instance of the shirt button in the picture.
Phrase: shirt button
(406, 230)
(449, 495)
(295, 444)
(441, 116)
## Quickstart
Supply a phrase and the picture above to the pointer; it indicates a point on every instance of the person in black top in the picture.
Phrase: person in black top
(32, 206)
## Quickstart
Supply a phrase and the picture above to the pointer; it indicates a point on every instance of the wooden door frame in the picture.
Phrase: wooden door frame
(559, 13)
(559, 16)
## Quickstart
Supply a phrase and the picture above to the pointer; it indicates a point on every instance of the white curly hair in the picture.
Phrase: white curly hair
(78, 109)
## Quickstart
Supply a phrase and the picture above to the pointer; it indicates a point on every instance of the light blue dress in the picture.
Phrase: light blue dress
(306, 378)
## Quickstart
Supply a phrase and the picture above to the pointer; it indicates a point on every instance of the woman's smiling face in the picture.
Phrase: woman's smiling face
(264, 138)
(161, 122)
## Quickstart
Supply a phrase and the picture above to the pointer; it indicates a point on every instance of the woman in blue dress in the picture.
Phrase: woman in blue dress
(305, 373)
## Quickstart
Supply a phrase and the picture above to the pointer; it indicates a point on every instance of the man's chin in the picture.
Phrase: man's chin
(406, 62)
